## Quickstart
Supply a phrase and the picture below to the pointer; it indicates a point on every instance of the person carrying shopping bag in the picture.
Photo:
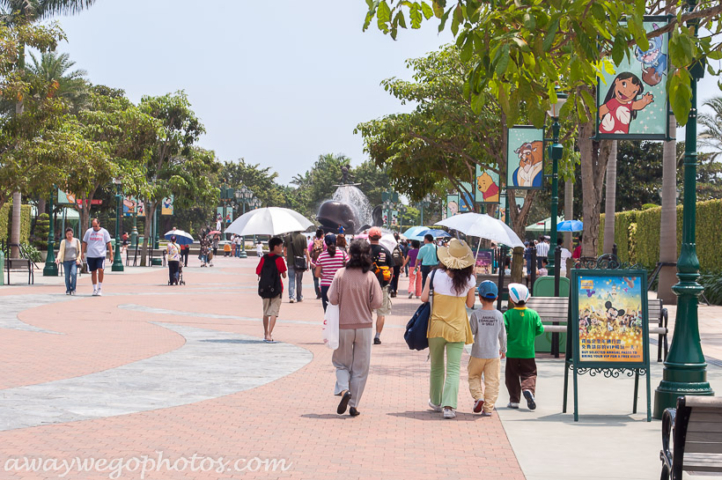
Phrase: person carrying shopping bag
(70, 254)
(449, 329)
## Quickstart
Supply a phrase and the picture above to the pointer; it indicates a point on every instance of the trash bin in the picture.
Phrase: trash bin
(544, 287)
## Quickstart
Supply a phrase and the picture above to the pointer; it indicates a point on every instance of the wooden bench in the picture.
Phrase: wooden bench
(695, 427)
(20, 265)
(556, 309)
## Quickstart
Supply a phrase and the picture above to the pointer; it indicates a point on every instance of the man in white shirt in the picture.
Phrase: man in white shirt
(96, 245)
(542, 251)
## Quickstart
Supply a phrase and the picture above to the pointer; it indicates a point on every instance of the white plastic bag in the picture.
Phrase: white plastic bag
(330, 327)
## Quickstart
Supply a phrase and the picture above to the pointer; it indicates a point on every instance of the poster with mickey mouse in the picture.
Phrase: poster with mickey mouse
(609, 316)
(632, 101)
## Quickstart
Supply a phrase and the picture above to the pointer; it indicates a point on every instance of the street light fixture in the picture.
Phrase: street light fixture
(244, 196)
(556, 151)
(117, 258)
(51, 269)
(424, 203)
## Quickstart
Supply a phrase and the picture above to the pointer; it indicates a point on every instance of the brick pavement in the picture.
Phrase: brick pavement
(294, 418)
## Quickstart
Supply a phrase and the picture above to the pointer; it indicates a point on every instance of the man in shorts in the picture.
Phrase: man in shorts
(272, 306)
(384, 267)
(96, 245)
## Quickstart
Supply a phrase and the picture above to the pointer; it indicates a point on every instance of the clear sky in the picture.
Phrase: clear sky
(277, 83)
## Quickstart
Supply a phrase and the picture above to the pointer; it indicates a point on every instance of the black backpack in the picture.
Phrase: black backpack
(418, 327)
(269, 286)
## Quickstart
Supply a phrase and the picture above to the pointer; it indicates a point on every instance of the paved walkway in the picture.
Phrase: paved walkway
(150, 370)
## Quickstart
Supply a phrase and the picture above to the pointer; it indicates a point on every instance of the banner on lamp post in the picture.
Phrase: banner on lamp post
(486, 186)
(524, 157)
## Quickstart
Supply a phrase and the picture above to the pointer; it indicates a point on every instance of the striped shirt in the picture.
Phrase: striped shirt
(330, 265)
(542, 249)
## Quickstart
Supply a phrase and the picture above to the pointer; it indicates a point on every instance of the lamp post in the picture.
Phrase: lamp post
(227, 195)
(424, 203)
(155, 238)
(117, 258)
(243, 196)
(402, 212)
(556, 151)
(255, 203)
(134, 232)
(51, 269)
(389, 199)
(685, 370)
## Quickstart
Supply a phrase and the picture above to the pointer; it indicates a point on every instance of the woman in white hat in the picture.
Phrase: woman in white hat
(454, 285)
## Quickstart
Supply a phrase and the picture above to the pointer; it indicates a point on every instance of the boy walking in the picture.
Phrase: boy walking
(523, 325)
(487, 325)
(270, 269)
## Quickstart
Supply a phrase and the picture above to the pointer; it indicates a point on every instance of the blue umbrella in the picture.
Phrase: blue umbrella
(181, 237)
(413, 232)
(434, 232)
(570, 226)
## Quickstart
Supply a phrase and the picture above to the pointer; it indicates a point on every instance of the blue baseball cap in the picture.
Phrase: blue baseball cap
(487, 289)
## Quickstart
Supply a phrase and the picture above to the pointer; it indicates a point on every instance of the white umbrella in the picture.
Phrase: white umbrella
(388, 241)
(484, 226)
(269, 221)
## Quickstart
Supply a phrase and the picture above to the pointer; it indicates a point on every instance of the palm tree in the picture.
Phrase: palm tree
(711, 136)
(610, 203)
(71, 85)
(668, 219)
(19, 12)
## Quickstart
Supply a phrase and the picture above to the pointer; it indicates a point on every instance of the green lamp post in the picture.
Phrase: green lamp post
(685, 370)
(51, 269)
(117, 258)
(243, 196)
(389, 199)
(402, 212)
(556, 151)
(155, 239)
(424, 203)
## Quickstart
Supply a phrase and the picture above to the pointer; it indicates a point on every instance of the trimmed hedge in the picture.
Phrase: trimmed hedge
(6, 216)
(637, 235)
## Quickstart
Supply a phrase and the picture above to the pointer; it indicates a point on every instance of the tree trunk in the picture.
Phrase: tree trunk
(668, 221)
(147, 232)
(519, 220)
(594, 156)
(15, 233)
(517, 264)
(610, 203)
(568, 211)
(42, 206)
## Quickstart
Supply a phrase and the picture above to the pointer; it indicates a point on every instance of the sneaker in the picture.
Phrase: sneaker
(436, 408)
(512, 405)
(377, 341)
(411, 295)
(291, 300)
(449, 413)
(478, 405)
(529, 399)
(486, 414)
(95, 292)
(67, 292)
(100, 292)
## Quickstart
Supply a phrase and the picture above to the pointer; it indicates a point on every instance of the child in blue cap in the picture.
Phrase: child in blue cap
(489, 347)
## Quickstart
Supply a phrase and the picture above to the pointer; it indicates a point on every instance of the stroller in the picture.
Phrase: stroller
(178, 276)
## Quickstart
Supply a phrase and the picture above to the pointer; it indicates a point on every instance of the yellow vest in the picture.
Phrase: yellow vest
(449, 320)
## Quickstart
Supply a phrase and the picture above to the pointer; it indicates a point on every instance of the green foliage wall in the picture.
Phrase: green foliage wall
(637, 235)
(6, 215)
(4, 221)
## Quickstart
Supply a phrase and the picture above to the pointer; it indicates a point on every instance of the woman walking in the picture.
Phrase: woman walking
(173, 255)
(454, 289)
(205, 249)
(415, 284)
(357, 292)
(71, 256)
(327, 264)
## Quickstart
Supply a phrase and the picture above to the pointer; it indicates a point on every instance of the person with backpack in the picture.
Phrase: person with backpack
(270, 269)
(454, 287)
(315, 248)
(357, 293)
(298, 260)
(384, 269)
(399, 258)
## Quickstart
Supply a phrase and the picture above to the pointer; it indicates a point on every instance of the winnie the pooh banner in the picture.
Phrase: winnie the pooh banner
(525, 157)
(486, 187)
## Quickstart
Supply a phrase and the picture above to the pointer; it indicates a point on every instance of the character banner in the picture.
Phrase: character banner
(632, 96)
(167, 206)
(484, 262)
(609, 317)
(524, 157)
(452, 205)
(486, 187)
(466, 198)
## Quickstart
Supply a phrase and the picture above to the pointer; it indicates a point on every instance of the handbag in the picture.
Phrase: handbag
(299, 263)
(417, 330)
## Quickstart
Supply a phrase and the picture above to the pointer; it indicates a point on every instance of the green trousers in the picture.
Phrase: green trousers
(445, 391)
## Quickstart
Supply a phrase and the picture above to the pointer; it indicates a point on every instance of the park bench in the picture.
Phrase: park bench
(695, 427)
(20, 265)
(556, 309)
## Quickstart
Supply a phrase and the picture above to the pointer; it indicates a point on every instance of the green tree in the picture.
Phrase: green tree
(72, 86)
(261, 181)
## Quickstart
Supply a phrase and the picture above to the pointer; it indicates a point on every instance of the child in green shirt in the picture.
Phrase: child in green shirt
(523, 325)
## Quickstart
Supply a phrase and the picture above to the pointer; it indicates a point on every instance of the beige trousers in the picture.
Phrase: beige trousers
(491, 370)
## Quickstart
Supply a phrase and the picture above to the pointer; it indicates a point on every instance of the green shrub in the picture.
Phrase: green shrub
(712, 283)
(32, 252)
(42, 230)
